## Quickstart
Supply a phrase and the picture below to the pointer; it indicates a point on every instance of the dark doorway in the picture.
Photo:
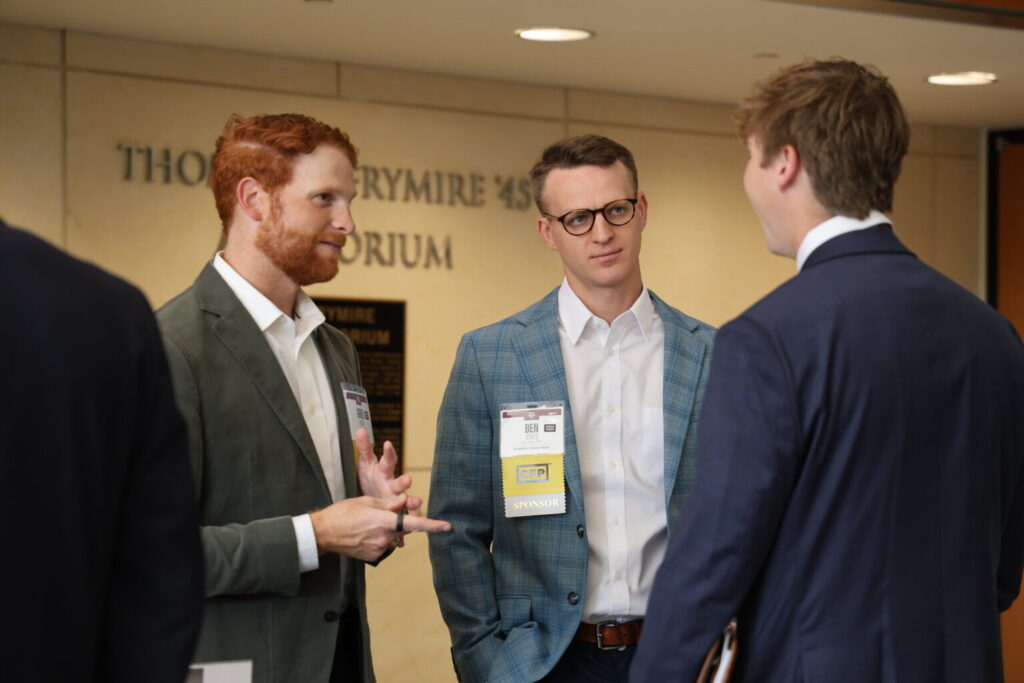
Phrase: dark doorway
(1006, 293)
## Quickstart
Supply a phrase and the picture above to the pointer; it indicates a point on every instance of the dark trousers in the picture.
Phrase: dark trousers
(348, 653)
(585, 663)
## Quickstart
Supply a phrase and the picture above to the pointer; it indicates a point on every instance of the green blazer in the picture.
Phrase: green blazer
(254, 467)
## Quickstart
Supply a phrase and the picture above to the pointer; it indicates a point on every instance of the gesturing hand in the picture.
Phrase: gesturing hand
(364, 527)
(377, 476)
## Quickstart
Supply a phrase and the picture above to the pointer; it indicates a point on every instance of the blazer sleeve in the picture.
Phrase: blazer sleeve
(747, 459)
(154, 602)
(1011, 551)
(257, 557)
(461, 492)
(1011, 555)
(1011, 559)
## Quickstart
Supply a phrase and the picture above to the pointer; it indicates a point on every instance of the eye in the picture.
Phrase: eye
(577, 219)
(616, 209)
(323, 199)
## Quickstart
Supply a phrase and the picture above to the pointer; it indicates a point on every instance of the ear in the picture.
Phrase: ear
(252, 199)
(641, 208)
(544, 228)
(786, 165)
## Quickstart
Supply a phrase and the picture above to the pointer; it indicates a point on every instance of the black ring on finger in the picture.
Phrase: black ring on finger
(400, 522)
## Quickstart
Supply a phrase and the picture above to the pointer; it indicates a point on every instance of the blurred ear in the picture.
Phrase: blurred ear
(786, 166)
(252, 199)
(544, 228)
(641, 208)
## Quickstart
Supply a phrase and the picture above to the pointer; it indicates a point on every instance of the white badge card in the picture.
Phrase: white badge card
(532, 458)
(357, 406)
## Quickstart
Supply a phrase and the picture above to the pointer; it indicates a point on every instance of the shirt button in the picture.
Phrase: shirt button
(611, 409)
(615, 465)
(618, 576)
(579, 530)
(573, 598)
(331, 615)
(615, 521)
(311, 410)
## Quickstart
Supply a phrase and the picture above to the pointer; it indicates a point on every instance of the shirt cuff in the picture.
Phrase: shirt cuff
(306, 540)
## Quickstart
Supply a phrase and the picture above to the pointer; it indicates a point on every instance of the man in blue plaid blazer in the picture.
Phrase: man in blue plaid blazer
(561, 597)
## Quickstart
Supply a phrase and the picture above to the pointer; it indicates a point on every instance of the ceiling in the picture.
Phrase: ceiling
(692, 49)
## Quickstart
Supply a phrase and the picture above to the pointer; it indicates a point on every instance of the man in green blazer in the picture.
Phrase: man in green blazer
(259, 379)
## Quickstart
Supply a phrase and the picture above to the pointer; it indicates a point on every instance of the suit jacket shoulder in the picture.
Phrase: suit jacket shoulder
(533, 313)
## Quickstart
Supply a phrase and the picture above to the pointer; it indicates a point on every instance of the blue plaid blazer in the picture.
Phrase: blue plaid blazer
(512, 590)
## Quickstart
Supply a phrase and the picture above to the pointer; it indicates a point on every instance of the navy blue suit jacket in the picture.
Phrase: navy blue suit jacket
(859, 494)
(102, 569)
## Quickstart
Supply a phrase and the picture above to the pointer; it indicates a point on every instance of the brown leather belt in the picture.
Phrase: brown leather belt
(610, 635)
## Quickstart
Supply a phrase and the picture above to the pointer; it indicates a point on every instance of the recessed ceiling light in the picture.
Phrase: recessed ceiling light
(765, 55)
(552, 34)
(963, 78)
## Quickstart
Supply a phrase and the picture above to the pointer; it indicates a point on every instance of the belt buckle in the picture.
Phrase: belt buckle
(600, 636)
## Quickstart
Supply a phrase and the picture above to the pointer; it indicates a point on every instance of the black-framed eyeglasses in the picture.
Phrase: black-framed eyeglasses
(579, 221)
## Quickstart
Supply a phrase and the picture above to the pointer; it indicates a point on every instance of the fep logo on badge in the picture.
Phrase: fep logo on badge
(529, 474)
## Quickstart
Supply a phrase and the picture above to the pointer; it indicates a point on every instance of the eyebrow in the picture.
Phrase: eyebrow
(329, 189)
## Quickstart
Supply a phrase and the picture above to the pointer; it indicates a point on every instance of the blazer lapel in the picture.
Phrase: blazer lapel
(540, 357)
(684, 357)
(238, 332)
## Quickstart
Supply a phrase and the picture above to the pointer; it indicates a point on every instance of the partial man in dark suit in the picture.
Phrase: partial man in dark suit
(102, 569)
(286, 518)
(562, 505)
(859, 500)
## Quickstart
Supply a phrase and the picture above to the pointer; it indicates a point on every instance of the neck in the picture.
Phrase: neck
(608, 303)
(259, 271)
(800, 223)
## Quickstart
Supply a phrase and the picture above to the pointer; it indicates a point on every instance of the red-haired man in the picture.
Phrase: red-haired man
(258, 378)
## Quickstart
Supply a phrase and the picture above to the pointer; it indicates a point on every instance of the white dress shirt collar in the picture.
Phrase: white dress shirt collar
(262, 309)
(833, 227)
(575, 315)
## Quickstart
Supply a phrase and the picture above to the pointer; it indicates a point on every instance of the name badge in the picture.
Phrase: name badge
(532, 458)
(357, 406)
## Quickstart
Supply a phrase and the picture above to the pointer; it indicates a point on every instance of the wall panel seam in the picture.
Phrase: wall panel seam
(657, 129)
(37, 65)
(320, 95)
(190, 81)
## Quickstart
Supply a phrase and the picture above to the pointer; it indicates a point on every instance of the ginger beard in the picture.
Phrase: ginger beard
(295, 253)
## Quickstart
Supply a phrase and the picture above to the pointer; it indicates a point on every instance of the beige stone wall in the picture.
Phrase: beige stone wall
(71, 99)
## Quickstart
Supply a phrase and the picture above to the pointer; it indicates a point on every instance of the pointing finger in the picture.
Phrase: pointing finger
(411, 523)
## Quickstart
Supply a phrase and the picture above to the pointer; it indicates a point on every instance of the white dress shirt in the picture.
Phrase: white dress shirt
(615, 375)
(296, 352)
(834, 227)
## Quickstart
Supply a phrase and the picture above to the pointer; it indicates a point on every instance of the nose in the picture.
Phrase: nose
(342, 220)
(602, 230)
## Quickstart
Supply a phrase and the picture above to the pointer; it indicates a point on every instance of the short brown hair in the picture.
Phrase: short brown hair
(845, 122)
(582, 150)
(263, 147)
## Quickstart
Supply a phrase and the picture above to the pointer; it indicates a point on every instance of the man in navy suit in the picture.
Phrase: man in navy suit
(859, 495)
(102, 568)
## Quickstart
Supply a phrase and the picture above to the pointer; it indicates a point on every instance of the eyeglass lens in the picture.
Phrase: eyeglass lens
(616, 213)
